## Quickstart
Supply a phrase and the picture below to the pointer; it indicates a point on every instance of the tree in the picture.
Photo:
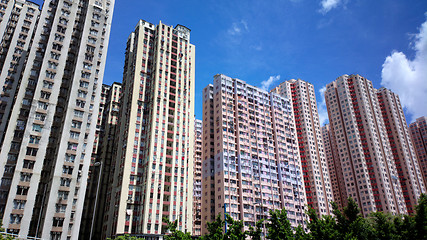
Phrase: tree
(350, 224)
(421, 218)
(383, 225)
(2, 236)
(125, 237)
(322, 228)
(405, 227)
(278, 226)
(234, 229)
(215, 229)
(300, 234)
(255, 233)
(174, 233)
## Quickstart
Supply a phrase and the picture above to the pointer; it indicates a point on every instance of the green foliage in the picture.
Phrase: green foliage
(215, 229)
(421, 218)
(234, 229)
(255, 233)
(4, 236)
(322, 228)
(278, 226)
(348, 224)
(174, 233)
(125, 237)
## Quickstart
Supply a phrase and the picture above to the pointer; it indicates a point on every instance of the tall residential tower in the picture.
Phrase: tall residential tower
(314, 165)
(418, 131)
(402, 149)
(16, 33)
(364, 154)
(251, 161)
(197, 179)
(153, 175)
(46, 152)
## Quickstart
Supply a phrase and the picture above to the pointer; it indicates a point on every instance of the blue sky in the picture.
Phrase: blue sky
(315, 40)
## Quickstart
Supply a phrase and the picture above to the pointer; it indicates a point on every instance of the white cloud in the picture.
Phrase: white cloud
(408, 78)
(265, 85)
(328, 5)
(238, 28)
(321, 107)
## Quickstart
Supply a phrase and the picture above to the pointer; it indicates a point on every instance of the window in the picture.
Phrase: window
(45, 95)
(31, 151)
(80, 103)
(65, 182)
(76, 124)
(15, 218)
(25, 177)
(47, 84)
(85, 75)
(74, 135)
(55, 55)
(50, 75)
(84, 84)
(72, 146)
(21, 190)
(19, 204)
(60, 208)
(52, 65)
(82, 94)
(28, 164)
(57, 46)
(70, 157)
(63, 195)
(43, 105)
(34, 139)
(78, 113)
(37, 127)
(40, 116)
(87, 66)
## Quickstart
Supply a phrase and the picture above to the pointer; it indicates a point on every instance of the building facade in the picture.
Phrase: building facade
(314, 166)
(16, 32)
(197, 179)
(364, 154)
(153, 172)
(403, 151)
(334, 166)
(100, 181)
(251, 161)
(418, 131)
(46, 155)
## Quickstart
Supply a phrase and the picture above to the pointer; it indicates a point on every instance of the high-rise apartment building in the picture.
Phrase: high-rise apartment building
(251, 161)
(153, 175)
(418, 131)
(100, 172)
(334, 166)
(46, 153)
(197, 179)
(402, 149)
(369, 172)
(314, 166)
(16, 32)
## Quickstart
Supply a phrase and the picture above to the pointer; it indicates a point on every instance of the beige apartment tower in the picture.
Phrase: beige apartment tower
(334, 167)
(418, 131)
(197, 179)
(153, 171)
(251, 162)
(314, 166)
(46, 152)
(364, 154)
(16, 32)
(403, 151)
(101, 169)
